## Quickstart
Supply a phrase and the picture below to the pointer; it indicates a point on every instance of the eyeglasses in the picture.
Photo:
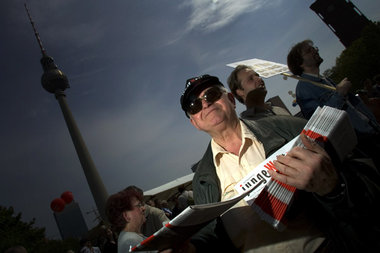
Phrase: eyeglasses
(139, 205)
(310, 49)
(211, 96)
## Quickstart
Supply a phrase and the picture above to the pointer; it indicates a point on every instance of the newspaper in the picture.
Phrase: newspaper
(187, 223)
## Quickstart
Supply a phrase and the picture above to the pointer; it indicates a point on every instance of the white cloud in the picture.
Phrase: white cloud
(209, 16)
(212, 15)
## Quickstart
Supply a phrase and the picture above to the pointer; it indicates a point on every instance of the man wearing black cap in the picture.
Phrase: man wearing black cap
(237, 146)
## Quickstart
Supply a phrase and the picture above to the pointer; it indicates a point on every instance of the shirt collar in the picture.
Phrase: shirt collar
(314, 75)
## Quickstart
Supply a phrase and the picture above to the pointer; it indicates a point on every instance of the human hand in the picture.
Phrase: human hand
(309, 169)
(343, 87)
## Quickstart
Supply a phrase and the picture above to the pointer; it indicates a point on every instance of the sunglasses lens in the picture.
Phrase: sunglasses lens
(211, 96)
(195, 106)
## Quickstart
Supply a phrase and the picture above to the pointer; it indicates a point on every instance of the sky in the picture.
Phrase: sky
(127, 63)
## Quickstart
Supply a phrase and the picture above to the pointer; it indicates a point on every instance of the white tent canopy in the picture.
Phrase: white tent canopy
(168, 190)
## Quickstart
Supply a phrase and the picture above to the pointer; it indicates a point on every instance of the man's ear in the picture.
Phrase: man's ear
(192, 121)
(231, 98)
(302, 65)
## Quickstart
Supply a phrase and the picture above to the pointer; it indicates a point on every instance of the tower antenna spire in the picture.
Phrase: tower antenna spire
(43, 51)
(53, 79)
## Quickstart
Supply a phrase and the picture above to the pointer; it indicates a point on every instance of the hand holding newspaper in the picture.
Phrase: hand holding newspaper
(272, 198)
(269, 198)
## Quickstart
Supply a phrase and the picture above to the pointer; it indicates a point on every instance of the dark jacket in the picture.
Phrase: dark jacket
(310, 96)
(349, 220)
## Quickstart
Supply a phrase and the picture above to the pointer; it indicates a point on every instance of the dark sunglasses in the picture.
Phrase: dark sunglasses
(211, 96)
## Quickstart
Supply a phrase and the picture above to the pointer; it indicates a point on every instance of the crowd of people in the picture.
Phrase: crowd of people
(336, 200)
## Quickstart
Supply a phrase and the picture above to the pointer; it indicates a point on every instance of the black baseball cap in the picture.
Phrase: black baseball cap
(194, 86)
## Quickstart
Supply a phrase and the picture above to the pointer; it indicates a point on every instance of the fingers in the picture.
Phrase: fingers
(287, 165)
(288, 170)
(308, 168)
(289, 175)
(345, 80)
(280, 177)
(343, 87)
(310, 146)
(297, 168)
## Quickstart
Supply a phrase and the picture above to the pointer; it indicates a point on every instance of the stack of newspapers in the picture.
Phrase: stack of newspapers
(326, 126)
(268, 197)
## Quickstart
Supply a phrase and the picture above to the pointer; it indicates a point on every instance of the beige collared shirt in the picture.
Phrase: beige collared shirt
(245, 228)
(231, 168)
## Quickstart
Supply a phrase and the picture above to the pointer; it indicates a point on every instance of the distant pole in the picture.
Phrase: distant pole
(55, 81)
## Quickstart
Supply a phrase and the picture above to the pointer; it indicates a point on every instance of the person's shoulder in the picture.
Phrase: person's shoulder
(203, 165)
(304, 83)
(182, 196)
(278, 110)
(127, 240)
(148, 209)
(154, 210)
(274, 120)
(276, 124)
(250, 113)
(289, 121)
(129, 237)
(157, 215)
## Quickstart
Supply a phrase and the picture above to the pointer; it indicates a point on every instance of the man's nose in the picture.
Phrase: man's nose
(205, 103)
(258, 80)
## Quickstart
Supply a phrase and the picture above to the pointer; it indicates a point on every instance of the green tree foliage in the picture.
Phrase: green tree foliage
(14, 231)
(360, 60)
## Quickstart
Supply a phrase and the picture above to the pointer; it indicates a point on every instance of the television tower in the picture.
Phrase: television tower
(55, 81)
